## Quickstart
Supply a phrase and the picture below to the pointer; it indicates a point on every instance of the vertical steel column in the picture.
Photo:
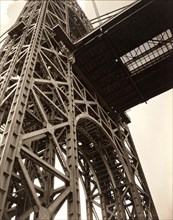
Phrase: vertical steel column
(10, 140)
(8, 50)
(49, 156)
(11, 69)
(67, 18)
(88, 192)
(72, 151)
(135, 194)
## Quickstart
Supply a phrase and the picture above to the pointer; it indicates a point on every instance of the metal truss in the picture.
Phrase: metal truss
(53, 131)
(149, 53)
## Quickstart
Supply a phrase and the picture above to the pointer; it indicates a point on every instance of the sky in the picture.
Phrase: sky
(152, 123)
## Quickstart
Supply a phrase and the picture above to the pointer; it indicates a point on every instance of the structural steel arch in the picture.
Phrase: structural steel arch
(111, 171)
(54, 129)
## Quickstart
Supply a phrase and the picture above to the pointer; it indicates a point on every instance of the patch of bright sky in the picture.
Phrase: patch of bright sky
(4, 5)
(82, 3)
(7, 15)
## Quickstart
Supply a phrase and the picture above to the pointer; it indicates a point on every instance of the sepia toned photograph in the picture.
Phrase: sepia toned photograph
(86, 109)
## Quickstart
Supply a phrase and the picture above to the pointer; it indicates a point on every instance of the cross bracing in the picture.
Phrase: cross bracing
(54, 130)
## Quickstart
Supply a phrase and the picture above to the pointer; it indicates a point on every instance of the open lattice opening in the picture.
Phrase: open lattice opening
(149, 53)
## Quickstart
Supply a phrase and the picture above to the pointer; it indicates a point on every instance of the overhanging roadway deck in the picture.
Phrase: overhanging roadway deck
(99, 55)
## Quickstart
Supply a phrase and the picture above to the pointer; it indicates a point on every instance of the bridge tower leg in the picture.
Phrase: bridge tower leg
(53, 131)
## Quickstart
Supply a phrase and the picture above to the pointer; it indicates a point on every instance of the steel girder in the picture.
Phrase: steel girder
(54, 131)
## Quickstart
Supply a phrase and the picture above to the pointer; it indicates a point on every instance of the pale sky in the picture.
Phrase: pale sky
(151, 125)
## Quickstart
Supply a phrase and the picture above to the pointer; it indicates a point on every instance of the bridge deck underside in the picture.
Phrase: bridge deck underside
(103, 56)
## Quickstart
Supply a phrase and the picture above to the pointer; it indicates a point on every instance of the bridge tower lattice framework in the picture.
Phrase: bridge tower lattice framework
(54, 131)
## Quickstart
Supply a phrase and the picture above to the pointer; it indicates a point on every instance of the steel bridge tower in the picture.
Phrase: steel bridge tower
(57, 128)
